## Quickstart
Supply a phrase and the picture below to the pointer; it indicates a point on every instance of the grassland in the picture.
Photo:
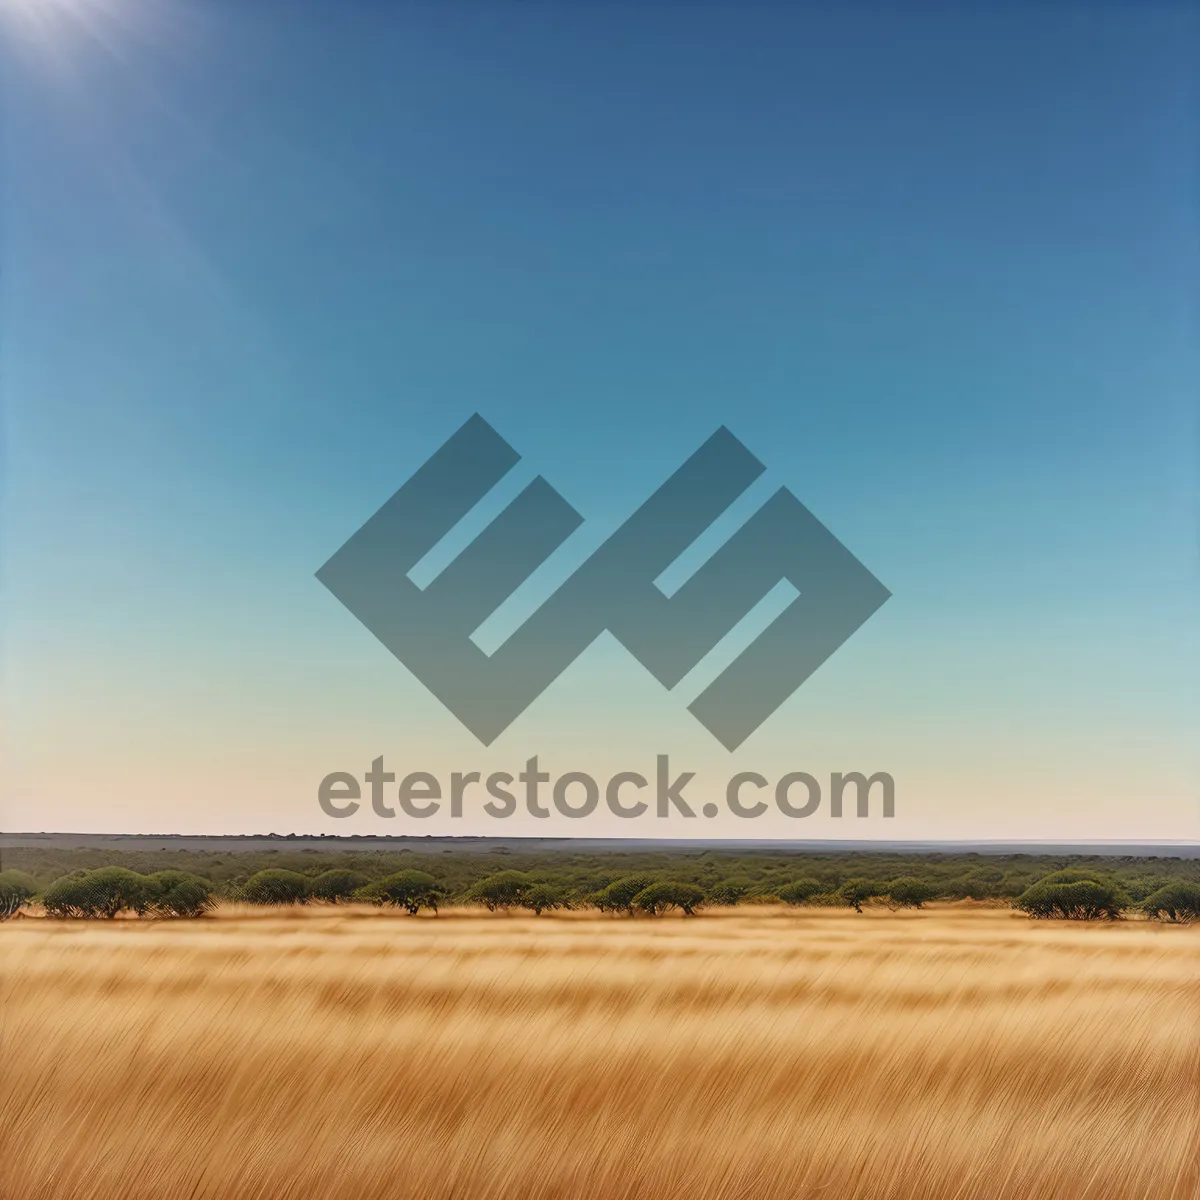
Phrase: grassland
(757, 1053)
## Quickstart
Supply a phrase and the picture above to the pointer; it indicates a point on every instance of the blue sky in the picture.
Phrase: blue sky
(936, 268)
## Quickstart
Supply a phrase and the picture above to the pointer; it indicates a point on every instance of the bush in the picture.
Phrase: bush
(276, 886)
(855, 891)
(980, 884)
(178, 894)
(658, 897)
(410, 890)
(621, 893)
(1078, 875)
(910, 892)
(730, 891)
(67, 897)
(1179, 901)
(16, 888)
(100, 893)
(542, 897)
(799, 891)
(1073, 898)
(1142, 887)
(503, 890)
(336, 885)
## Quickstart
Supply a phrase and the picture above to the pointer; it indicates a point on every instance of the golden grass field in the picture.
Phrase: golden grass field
(751, 1053)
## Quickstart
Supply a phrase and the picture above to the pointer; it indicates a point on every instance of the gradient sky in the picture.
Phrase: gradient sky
(936, 267)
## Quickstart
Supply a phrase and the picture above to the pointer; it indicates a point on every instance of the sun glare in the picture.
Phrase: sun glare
(52, 32)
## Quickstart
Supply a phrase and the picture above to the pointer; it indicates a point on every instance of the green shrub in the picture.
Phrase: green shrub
(799, 891)
(730, 891)
(68, 897)
(410, 890)
(337, 885)
(910, 892)
(1074, 875)
(855, 892)
(178, 894)
(503, 890)
(104, 892)
(987, 875)
(276, 886)
(667, 893)
(1073, 898)
(16, 889)
(980, 884)
(1178, 901)
(543, 897)
(620, 894)
(1141, 887)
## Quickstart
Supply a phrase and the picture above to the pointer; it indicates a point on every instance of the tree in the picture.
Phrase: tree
(542, 897)
(668, 893)
(855, 891)
(67, 897)
(409, 890)
(620, 894)
(1065, 896)
(1178, 901)
(503, 890)
(1075, 875)
(276, 886)
(910, 892)
(799, 891)
(104, 892)
(16, 889)
(178, 894)
(729, 891)
(336, 885)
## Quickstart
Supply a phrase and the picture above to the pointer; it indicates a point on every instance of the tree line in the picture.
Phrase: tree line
(583, 869)
(1078, 893)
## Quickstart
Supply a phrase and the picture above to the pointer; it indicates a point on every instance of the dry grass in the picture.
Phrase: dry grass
(759, 1054)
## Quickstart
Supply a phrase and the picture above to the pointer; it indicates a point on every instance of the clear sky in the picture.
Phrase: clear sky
(936, 266)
